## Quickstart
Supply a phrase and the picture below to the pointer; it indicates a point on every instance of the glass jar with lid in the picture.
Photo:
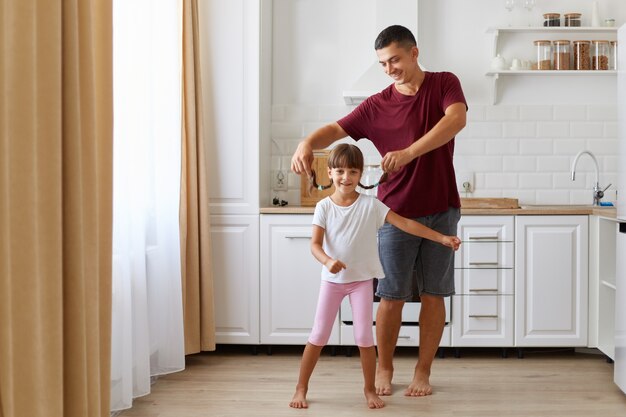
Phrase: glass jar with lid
(552, 19)
(600, 57)
(561, 55)
(572, 19)
(582, 59)
(613, 55)
(543, 54)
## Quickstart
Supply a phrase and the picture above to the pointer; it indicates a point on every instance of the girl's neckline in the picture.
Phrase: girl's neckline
(330, 197)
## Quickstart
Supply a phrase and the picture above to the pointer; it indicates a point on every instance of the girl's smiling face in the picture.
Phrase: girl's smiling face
(345, 179)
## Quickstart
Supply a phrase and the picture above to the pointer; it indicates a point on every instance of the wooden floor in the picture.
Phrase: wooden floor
(232, 382)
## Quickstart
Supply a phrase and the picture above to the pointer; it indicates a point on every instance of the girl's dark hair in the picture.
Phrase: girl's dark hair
(346, 155)
(396, 33)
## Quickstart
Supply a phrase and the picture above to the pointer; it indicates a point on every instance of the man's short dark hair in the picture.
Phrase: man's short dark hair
(396, 33)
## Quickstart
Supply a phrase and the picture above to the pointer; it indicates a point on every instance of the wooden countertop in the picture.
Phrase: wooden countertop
(524, 210)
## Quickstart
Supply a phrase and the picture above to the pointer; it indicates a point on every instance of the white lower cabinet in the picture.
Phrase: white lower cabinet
(290, 280)
(483, 307)
(235, 263)
(551, 286)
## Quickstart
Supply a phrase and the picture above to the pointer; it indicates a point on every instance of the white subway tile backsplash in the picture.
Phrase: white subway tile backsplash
(553, 129)
(568, 146)
(552, 197)
(521, 164)
(501, 113)
(332, 113)
(522, 152)
(536, 146)
(535, 181)
(302, 113)
(610, 130)
(552, 163)
(469, 147)
(535, 113)
(587, 129)
(499, 180)
(476, 113)
(286, 130)
(502, 147)
(519, 129)
(608, 112)
(483, 130)
(572, 112)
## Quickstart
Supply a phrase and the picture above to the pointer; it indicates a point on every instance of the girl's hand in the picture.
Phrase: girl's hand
(451, 242)
(334, 265)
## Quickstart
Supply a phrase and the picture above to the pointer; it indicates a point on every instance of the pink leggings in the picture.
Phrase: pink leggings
(361, 299)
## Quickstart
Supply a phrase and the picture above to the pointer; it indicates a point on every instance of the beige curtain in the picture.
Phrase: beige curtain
(198, 307)
(55, 207)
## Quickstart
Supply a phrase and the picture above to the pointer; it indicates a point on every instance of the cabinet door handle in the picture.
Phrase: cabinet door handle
(483, 238)
(403, 337)
(484, 263)
(483, 316)
(483, 289)
(298, 237)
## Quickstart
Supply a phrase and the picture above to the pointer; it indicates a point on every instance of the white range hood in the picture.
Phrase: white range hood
(374, 79)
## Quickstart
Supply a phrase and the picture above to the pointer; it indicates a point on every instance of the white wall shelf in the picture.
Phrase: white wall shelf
(611, 33)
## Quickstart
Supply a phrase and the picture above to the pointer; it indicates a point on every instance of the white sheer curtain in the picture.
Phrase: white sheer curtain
(147, 325)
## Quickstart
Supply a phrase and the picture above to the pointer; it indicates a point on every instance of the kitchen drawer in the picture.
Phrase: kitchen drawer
(482, 320)
(485, 254)
(484, 281)
(408, 336)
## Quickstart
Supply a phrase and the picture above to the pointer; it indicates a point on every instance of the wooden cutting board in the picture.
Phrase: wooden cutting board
(310, 197)
(489, 203)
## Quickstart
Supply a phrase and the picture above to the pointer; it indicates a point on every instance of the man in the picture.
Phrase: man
(412, 123)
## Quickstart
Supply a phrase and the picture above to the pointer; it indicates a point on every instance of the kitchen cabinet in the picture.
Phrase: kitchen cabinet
(502, 45)
(235, 263)
(602, 273)
(290, 280)
(232, 103)
(551, 281)
(482, 308)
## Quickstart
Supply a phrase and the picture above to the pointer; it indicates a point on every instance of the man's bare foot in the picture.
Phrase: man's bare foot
(383, 381)
(420, 386)
(299, 398)
(373, 400)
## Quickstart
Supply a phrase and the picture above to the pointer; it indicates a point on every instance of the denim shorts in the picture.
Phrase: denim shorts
(414, 266)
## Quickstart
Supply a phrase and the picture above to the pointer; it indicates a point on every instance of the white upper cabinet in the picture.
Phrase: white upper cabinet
(230, 61)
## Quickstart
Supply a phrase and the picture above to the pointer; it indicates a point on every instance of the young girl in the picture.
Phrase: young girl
(345, 227)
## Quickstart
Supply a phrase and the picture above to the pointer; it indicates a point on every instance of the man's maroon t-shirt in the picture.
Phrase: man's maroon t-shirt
(393, 121)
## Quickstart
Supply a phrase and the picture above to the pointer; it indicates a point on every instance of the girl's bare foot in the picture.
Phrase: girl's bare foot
(299, 398)
(420, 386)
(373, 400)
(383, 381)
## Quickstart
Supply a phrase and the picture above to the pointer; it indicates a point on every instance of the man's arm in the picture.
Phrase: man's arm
(450, 124)
(320, 139)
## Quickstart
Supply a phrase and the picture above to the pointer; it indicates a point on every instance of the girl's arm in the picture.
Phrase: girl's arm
(333, 265)
(418, 229)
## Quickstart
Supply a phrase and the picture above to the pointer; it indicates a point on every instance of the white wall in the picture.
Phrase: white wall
(521, 147)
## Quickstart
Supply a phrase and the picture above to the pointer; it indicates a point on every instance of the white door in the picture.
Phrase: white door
(235, 262)
(551, 280)
(290, 280)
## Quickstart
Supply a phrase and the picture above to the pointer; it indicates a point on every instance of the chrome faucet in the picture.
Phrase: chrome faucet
(597, 192)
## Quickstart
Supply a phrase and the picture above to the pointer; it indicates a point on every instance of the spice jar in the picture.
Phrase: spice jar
(544, 54)
(613, 55)
(600, 58)
(582, 59)
(552, 19)
(561, 55)
(572, 19)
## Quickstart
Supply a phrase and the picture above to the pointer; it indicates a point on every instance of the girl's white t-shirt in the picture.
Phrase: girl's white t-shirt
(351, 237)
